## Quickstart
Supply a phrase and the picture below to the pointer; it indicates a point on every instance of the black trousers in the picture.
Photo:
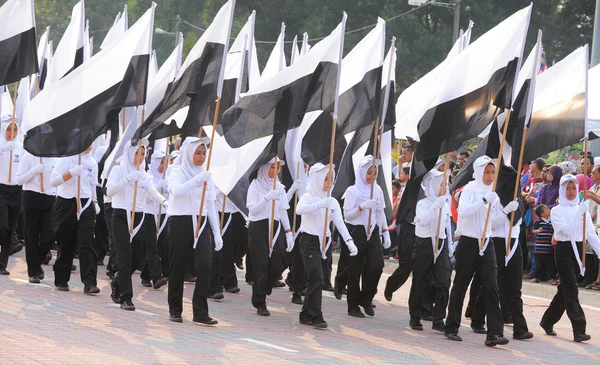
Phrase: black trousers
(327, 265)
(341, 276)
(128, 251)
(266, 270)
(296, 274)
(70, 234)
(310, 251)
(39, 237)
(181, 241)
(567, 296)
(468, 262)
(163, 247)
(545, 268)
(111, 267)
(423, 269)
(405, 264)
(151, 261)
(10, 205)
(366, 265)
(236, 232)
(510, 283)
(100, 229)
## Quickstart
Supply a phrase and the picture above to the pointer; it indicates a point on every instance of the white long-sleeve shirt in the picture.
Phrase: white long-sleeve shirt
(68, 189)
(361, 218)
(229, 206)
(313, 218)
(501, 224)
(30, 179)
(568, 224)
(187, 202)
(5, 167)
(255, 196)
(426, 220)
(121, 191)
(471, 215)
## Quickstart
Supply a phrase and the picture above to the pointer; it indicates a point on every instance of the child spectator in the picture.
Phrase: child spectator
(545, 269)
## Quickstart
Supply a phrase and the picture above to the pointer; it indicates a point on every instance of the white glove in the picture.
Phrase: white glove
(272, 195)
(39, 168)
(439, 202)
(491, 197)
(97, 208)
(202, 177)
(295, 186)
(326, 203)
(218, 242)
(135, 175)
(290, 241)
(8, 146)
(387, 241)
(160, 185)
(78, 170)
(369, 204)
(582, 208)
(352, 248)
(511, 207)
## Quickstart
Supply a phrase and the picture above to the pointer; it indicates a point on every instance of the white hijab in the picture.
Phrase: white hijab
(564, 182)
(128, 158)
(185, 161)
(262, 177)
(361, 188)
(155, 162)
(4, 126)
(318, 172)
(431, 184)
(477, 185)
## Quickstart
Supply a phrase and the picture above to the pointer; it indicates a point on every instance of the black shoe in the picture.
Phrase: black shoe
(115, 292)
(328, 288)
(305, 321)
(16, 248)
(92, 289)
(415, 324)
(319, 323)
(100, 262)
(438, 326)
(128, 305)
(337, 292)
(287, 282)
(175, 318)
(41, 275)
(296, 299)
(47, 259)
(387, 296)
(239, 265)
(233, 290)
(496, 340)
(146, 283)
(508, 320)
(263, 311)
(110, 274)
(478, 329)
(189, 279)
(160, 283)
(34, 280)
(549, 331)
(279, 284)
(217, 296)
(523, 336)
(368, 309)
(62, 287)
(453, 337)
(250, 282)
(206, 320)
(580, 337)
(356, 312)
(427, 317)
(4, 272)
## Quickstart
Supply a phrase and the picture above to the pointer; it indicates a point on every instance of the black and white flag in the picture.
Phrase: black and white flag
(18, 52)
(68, 115)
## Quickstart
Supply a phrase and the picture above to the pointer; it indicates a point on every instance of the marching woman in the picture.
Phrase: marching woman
(567, 221)
(368, 263)
(473, 256)
(295, 277)
(34, 174)
(75, 230)
(267, 263)
(128, 235)
(509, 268)
(11, 153)
(430, 257)
(312, 207)
(186, 180)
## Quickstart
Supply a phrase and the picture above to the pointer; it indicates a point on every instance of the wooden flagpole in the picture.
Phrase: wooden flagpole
(135, 185)
(223, 213)
(210, 149)
(162, 190)
(14, 120)
(123, 120)
(489, 211)
(520, 166)
(272, 222)
(376, 137)
(442, 193)
(295, 201)
(585, 177)
(37, 90)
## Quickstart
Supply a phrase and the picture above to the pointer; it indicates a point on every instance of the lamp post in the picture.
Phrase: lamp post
(452, 4)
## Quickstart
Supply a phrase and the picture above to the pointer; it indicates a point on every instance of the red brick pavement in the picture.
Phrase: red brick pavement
(41, 325)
